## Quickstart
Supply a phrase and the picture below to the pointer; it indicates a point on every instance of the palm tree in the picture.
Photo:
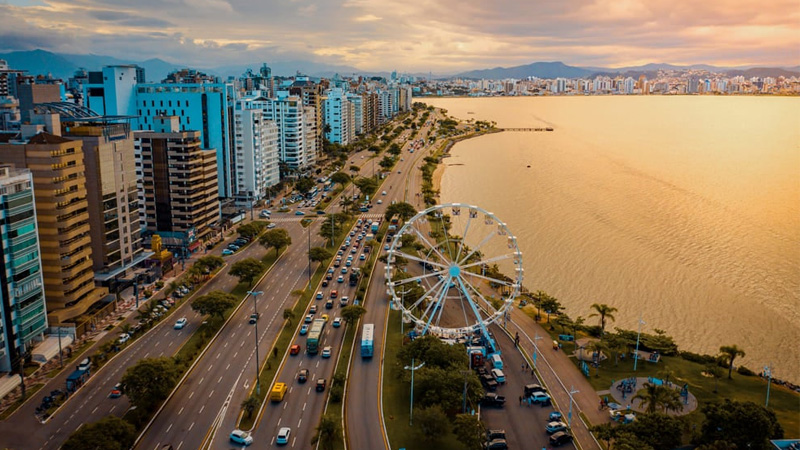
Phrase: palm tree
(715, 372)
(605, 312)
(288, 315)
(666, 373)
(656, 397)
(615, 345)
(729, 353)
(326, 432)
(250, 404)
(599, 347)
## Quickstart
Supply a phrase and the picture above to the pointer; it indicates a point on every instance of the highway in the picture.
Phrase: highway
(91, 402)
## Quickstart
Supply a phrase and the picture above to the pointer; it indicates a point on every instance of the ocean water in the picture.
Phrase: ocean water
(685, 210)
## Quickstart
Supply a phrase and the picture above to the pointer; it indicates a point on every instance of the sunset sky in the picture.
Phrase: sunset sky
(412, 35)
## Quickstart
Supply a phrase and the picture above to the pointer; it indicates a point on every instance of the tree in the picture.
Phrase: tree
(714, 371)
(402, 209)
(655, 397)
(109, 433)
(304, 184)
(288, 315)
(432, 421)
(352, 313)
(247, 270)
(326, 432)
(214, 304)
(366, 185)
(319, 254)
(604, 432)
(387, 162)
(276, 238)
(395, 149)
(149, 381)
(469, 431)
(745, 424)
(551, 305)
(616, 345)
(340, 178)
(250, 404)
(729, 353)
(408, 240)
(355, 169)
(251, 230)
(660, 431)
(605, 312)
(208, 264)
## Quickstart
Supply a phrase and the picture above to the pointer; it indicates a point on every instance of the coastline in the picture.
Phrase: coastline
(438, 173)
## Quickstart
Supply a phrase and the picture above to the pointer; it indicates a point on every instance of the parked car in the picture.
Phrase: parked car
(233, 247)
(560, 438)
(540, 397)
(555, 427)
(492, 399)
(180, 323)
(123, 338)
(271, 226)
(496, 444)
(495, 434)
(555, 416)
(227, 252)
(299, 213)
(531, 388)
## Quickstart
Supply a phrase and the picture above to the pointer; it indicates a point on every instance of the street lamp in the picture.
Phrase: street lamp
(309, 255)
(535, 347)
(255, 294)
(412, 368)
(768, 373)
(569, 415)
(639, 333)
(402, 302)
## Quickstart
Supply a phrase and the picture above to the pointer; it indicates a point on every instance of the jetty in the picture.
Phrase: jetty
(528, 129)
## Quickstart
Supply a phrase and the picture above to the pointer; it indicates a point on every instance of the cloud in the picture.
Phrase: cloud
(438, 35)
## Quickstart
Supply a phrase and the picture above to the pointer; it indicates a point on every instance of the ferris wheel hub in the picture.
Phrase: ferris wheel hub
(455, 271)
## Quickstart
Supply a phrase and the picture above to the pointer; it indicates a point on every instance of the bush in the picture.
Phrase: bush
(337, 392)
(742, 370)
(698, 358)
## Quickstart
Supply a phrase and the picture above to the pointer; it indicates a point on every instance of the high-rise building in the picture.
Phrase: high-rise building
(30, 94)
(357, 103)
(62, 215)
(23, 315)
(371, 112)
(311, 95)
(385, 106)
(110, 172)
(179, 185)
(337, 116)
(257, 158)
(111, 92)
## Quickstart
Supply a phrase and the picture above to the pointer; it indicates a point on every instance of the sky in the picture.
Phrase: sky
(441, 36)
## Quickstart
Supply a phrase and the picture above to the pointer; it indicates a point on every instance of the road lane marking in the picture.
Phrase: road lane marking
(211, 393)
(191, 395)
(201, 411)
(169, 428)
(209, 367)
(234, 355)
(191, 426)
(220, 379)
(179, 445)
(228, 366)
(179, 412)
(201, 380)
(294, 440)
(285, 404)
(299, 422)
(95, 409)
(304, 405)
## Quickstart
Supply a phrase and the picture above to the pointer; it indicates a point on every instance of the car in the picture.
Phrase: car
(325, 317)
(495, 434)
(329, 304)
(302, 375)
(271, 225)
(254, 318)
(362, 257)
(496, 444)
(328, 276)
(344, 270)
(540, 397)
(499, 376)
(319, 295)
(337, 322)
(321, 384)
(304, 329)
(399, 171)
(180, 323)
(299, 213)
(326, 352)
(320, 212)
(283, 436)
(386, 247)
(555, 416)
(348, 263)
(116, 391)
(383, 193)
(379, 201)
(334, 293)
(555, 427)
(263, 215)
(123, 338)
(227, 252)
(354, 250)
(344, 300)
(294, 349)
(241, 437)
(324, 283)
(337, 263)
(313, 309)
(560, 438)
(531, 388)
(353, 233)
(340, 279)
(309, 318)
(233, 247)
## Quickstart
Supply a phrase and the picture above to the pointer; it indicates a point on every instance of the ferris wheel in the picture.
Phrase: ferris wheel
(460, 273)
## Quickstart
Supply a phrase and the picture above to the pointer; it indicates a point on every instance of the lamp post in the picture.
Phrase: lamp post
(569, 415)
(309, 255)
(412, 368)
(639, 333)
(255, 295)
(536, 337)
(402, 302)
(768, 373)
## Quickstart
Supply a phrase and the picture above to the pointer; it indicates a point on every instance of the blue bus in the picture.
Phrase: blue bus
(367, 345)
(312, 193)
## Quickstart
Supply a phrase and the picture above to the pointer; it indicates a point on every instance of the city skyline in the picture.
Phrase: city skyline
(384, 35)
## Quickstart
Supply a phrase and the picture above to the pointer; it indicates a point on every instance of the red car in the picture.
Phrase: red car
(334, 293)
(295, 349)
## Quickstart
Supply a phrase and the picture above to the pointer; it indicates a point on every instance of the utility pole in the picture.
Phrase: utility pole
(412, 368)
(255, 294)
(535, 347)
(569, 416)
(309, 256)
(768, 373)
(639, 333)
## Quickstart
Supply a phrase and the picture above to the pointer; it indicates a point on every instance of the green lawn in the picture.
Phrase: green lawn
(396, 400)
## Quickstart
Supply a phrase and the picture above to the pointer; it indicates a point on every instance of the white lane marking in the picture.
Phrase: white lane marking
(304, 405)
(299, 422)
(179, 445)
(191, 395)
(228, 366)
(220, 379)
(179, 412)
(209, 367)
(211, 393)
(285, 404)
(218, 355)
(202, 408)
(95, 409)
(201, 380)
(294, 440)
(191, 426)
(169, 428)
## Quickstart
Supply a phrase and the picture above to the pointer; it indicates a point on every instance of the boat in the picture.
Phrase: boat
(470, 112)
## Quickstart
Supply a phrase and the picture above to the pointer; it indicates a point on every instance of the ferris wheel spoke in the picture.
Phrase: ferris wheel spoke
(481, 244)
(463, 237)
(446, 239)
(490, 260)
(418, 277)
(440, 295)
(427, 293)
(432, 247)
(418, 259)
(488, 304)
(489, 279)
(474, 305)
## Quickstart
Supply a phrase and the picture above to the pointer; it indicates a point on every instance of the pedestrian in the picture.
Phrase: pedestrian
(520, 400)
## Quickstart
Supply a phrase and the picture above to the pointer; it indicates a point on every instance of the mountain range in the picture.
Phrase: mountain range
(64, 66)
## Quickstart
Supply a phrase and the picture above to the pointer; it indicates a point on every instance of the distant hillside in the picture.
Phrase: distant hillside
(764, 72)
(554, 69)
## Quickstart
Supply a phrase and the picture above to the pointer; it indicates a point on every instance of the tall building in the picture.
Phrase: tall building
(111, 92)
(110, 172)
(30, 94)
(371, 111)
(257, 158)
(62, 215)
(337, 116)
(311, 95)
(179, 185)
(357, 110)
(385, 106)
(23, 316)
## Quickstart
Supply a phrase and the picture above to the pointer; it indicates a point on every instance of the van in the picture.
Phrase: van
(496, 361)
(499, 376)
(278, 391)
(85, 364)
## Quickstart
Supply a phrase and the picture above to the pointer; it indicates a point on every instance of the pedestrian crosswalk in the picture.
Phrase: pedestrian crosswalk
(371, 216)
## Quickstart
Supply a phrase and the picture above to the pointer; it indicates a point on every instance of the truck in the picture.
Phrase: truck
(278, 392)
(355, 274)
(492, 399)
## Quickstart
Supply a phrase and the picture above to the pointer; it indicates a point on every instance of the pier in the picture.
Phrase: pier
(528, 129)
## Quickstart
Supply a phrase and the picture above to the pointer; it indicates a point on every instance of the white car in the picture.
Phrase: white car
(326, 352)
(123, 338)
(271, 225)
(283, 436)
(241, 437)
(180, 323)
(379, 201)
(383, 193)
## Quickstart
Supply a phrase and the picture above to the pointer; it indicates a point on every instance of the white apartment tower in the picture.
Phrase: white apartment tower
(257, 155)
(337, 116)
